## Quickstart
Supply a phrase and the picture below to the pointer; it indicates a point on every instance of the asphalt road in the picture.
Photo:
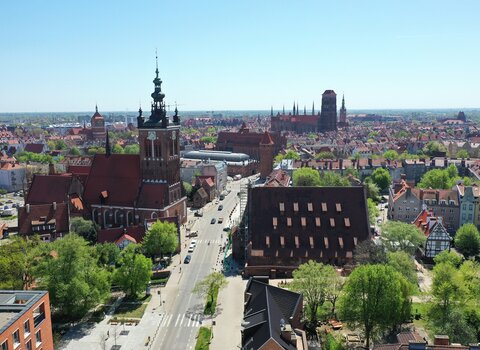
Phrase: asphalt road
(184, 314)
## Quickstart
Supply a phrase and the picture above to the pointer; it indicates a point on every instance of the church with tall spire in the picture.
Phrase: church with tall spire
(343, 114)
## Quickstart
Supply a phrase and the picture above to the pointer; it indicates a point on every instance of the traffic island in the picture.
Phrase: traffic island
(203, 338)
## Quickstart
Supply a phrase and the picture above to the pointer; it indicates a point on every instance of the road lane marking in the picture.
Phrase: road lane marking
(189, 321)
(178, 317)
(183, 318)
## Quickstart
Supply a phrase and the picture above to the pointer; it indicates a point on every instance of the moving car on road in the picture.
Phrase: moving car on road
(187, 259)
(213, 221)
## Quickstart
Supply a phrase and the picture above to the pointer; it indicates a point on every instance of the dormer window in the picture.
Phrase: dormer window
(304, 221)
(317, 221)
(332, 222)
(325, 241)
(310, 207)
(311, 242)
(340, 242)
(324, 207)
(338, 207)
(267, 241)
(297, 242)
(295, 206)
(282, 241)
(347, 222)
(289, 222)
(282, 206)
(275, 222)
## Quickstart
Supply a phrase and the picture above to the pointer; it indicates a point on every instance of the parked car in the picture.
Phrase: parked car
(8, 212)
(193, 234)
(213, 221)
(191, 248)
(220, 207)
(226, 228)
(220, 220)
(198, 213)
(187, 259)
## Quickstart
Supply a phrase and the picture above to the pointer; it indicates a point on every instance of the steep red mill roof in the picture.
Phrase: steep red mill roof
(118, 174)
(266, 139)
(49, 189)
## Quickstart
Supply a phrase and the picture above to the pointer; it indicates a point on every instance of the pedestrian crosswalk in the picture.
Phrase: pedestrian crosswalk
(186, 320)
(212, 241)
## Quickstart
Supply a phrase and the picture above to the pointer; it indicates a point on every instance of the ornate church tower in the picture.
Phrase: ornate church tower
(328, 115)
(159, 146)
(343, 113)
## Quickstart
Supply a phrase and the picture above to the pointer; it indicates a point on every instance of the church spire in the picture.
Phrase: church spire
(343, 101)
(108, 150)
(96, 108)
(293, 107)
(304, 110)
(313, 108)
(283, 110)
(271, 111)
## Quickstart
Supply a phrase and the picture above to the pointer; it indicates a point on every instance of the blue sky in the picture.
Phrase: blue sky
(248, 54)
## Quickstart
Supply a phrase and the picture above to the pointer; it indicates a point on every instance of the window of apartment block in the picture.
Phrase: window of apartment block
(317, 221)
(325, 241)
(16, 338)
(470, 207)
(289, 222)
(464, 206)
(324, 207)
(38, 338)
(28, 345)
(340, 242)
(26, 328)
(347, 222)
(282, 206)
(267, 241)
(295, 206)
(311, 242)
(304, 221)
(310, 206)
(4, 345)
(282, 241)
(332, 222)
(338, 207)
(297, 242)
(275, 222)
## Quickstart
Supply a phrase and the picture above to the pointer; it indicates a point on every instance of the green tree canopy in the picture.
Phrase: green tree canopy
(84, 228)
(24, 157)
(117, 149)
(107, 254)
(330, 178)
(208, 286)
(67, 268)
(463, 154)
(325, 155)
(367, 252)
(400, 236)
(160, 239)
(467, 240)
(433, 148)
(376, 298)
(306, 177)
(449, 257)
(290, 154)
(373, 191)
(404, 264)
(134, 271)
(312, 279)
(381, 177)
(74, 151)
(373, 211)
(390, 155)
(132, 149)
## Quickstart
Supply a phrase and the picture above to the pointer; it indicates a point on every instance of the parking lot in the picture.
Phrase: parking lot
(8, 208)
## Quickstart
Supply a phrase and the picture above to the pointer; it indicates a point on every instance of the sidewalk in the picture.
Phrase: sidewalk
(226, 331)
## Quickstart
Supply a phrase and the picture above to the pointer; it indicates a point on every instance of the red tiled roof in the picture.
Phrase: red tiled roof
(119, 174)
(111, 235)
(127, 237)
(49, 189)
(60, 215)
(266, 139)
(34, 147)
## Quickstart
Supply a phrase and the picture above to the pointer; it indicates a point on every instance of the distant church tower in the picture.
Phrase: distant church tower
(267, 150)
(160, 147)
(343, 113)
(328, 115)
(97, 123)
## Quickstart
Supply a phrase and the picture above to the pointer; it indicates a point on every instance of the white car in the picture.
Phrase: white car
(193, 242)
(191, 248)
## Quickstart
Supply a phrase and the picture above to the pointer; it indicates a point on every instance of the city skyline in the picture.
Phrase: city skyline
(62, 57)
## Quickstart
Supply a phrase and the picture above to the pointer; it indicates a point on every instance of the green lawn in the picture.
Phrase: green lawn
(420, 308)
(203, 339)
(131, 309)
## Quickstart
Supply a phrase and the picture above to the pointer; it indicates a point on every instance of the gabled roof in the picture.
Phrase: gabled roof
(34, 147)
(113, 234)
(118, 174)
(49, 189)
(58, 216)
(266, 139)
(125, 237)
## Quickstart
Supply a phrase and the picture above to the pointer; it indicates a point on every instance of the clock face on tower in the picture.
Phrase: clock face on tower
(152, 135)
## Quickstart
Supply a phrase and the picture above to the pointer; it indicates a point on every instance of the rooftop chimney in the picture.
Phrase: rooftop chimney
(441, 340)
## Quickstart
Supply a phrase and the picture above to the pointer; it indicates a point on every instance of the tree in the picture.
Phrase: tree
(373, 191)
(403, 263)
(436, 179)
(17, 259)
(210, 285)
(84, 228)
(400, 236)
(367, 252)
(374, 298)
(325, 155)
(132, 149)
(381, 177)
(467, 240)
(449, 257)
(462, 154)
(329, 178)
(390, 155)
(434, 148)
(306, 177)
(188, 189)
(446, 288)
(290, 154)
(312, 279)
(67, 268)
(134, 271)
(107, 254)
(373, 211)
(160, 239)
